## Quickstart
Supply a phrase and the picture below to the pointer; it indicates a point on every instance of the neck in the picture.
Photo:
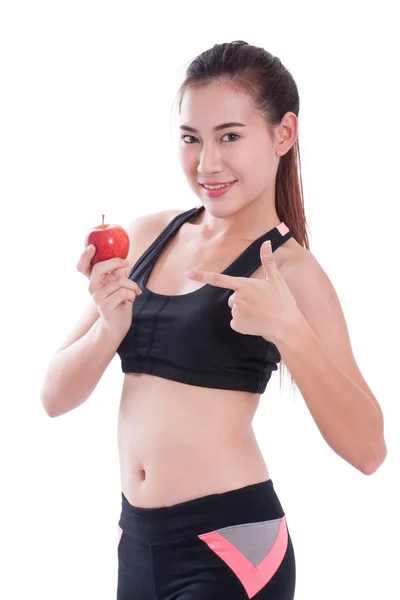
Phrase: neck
(247, 223)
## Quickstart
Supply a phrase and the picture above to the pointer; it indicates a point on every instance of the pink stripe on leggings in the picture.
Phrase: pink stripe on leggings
(252, 578)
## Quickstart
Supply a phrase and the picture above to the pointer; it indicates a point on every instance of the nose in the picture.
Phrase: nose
(210, 161)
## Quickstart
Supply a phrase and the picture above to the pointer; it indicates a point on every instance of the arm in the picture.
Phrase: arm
(318, 354)
(79, 363)
(75, 371)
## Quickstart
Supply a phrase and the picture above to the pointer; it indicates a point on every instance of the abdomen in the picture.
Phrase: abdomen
(177, 442)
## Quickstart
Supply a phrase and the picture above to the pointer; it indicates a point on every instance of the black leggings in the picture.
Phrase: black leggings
(234, 545)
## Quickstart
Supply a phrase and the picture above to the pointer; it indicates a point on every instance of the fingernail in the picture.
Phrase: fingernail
(267, 246)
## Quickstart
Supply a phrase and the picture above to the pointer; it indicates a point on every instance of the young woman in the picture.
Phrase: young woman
(200, 516)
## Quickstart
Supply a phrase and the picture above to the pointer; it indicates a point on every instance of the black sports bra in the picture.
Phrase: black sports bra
(188, 338)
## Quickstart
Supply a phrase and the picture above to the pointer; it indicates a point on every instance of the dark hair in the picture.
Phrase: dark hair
(272, 91)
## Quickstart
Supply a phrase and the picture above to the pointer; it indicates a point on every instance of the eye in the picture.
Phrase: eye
(183, 137)
(234, 134)
(187, 136)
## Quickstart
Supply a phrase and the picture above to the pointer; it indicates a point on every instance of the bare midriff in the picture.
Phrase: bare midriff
(178, 442)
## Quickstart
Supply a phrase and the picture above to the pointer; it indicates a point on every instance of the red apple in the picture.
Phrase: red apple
(110, 241)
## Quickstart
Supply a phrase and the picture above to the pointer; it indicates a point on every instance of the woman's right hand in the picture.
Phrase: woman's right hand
(111, 289)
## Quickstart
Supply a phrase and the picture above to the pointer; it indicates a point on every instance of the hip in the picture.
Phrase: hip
(234, 544)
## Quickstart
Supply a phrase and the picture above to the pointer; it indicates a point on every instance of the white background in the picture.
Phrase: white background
(87, 127)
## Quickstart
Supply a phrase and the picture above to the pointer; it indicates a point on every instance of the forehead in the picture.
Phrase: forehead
(205, 107)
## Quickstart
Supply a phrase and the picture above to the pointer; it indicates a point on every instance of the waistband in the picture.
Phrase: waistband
(250, 504)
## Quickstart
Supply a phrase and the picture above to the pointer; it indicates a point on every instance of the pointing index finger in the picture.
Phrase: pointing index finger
(217, 279)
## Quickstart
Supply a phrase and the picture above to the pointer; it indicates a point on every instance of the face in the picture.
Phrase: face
(245, 154)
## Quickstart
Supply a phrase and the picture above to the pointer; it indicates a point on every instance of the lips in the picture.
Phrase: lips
(216, 182)
(219, 191)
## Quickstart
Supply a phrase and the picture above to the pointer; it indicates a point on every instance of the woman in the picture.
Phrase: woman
(200, 517)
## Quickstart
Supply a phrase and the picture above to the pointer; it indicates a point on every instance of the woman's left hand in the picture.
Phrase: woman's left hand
(264, 307)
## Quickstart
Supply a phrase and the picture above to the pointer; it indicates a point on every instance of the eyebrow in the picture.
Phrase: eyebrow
(216, 128)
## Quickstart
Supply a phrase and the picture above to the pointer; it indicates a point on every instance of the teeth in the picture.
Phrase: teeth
(216, 187)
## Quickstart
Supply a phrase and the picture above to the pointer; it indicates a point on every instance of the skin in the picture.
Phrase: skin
(178, 442)
(248, 210)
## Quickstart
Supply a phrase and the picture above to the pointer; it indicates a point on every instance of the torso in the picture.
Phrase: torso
(177, 441)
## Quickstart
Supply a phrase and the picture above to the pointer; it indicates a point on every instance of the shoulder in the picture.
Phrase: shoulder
(310, 285)
(300, 269)
(152, 224)
(145, 229)
(290, 256)
(153, 221)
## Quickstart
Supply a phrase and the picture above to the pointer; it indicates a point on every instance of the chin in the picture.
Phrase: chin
(221, 209)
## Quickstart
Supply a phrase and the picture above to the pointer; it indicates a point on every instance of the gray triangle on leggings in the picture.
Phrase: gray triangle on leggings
(253, 540)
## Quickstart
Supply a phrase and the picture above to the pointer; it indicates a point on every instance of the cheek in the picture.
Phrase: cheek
(187, 161)
(255, 168)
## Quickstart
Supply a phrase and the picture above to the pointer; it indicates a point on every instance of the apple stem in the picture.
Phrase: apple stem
(102, 221)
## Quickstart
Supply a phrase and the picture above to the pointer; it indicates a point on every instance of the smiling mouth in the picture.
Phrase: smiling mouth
(216, 186)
